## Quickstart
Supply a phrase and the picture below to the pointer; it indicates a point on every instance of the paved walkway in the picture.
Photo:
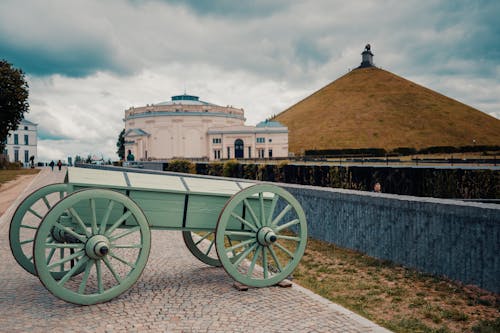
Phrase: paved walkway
(176, 293)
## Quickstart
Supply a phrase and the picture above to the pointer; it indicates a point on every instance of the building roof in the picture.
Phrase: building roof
(27, 122)
(269, 123)
(185, 100)
(136, 132)
(248, 129)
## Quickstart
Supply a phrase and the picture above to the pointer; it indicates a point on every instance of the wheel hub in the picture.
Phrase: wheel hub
(266, 236)
(97, 247)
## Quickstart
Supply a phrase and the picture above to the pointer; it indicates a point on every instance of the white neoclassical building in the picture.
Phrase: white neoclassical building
(22, 143)
(186, 127)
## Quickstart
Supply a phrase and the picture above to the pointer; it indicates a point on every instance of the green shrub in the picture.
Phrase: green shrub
(231, 168)
(215, 169)
(184, 166)
(14, 165)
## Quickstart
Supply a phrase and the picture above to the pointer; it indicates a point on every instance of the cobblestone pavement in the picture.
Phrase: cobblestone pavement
(176, 293)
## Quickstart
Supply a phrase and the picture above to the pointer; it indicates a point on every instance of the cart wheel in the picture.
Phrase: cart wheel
(273, 238)
(110, 240)
(26, 220)
(208, 255)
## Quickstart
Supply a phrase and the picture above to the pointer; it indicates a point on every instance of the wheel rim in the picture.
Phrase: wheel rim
(26, 220)
(110, 240)
(202, 246)
(268, 241)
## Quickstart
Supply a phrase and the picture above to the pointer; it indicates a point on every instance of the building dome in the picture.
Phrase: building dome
(176, 128)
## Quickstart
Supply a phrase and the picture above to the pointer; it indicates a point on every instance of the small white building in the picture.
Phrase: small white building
(186, 127)
(22, 143)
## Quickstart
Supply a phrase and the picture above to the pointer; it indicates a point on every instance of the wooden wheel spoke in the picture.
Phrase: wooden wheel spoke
(111, 269)
(32, 211)
(237, 246)
(203, 237)
(264, 263)
(210, 247)
(240, 233)
(28, 227)
(51, 254)
(80, 221)
(284, 249)
(126, 246)
(281, 215)
(275, 258)
(46, 202)
(292, 238)
(272, 208)
(98, 272)
(105, 218)
(94, 217)
(64, 245)
(27, 241)
(81, 238)
(245, 222)
(252, 213)
(244, 254)
(126, 233)
(72, 271)
(66, 259)
(254, 260)
(115, 225)
(114, 255)
(286, 225)
(262, 212)
(83, 284)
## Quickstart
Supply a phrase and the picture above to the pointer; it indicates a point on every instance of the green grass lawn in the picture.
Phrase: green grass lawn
(7, 175)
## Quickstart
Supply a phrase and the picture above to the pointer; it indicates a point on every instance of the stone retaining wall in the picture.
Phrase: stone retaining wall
(455, 239)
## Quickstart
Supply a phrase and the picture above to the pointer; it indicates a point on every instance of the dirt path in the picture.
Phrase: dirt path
(11, 190)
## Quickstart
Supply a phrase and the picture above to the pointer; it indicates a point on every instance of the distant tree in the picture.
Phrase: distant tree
(13, 99)
(121, 145)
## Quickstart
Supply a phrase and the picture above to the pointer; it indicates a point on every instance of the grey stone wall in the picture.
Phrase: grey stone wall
(450, 238)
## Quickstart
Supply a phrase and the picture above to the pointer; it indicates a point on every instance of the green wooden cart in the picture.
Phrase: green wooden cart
(88, 239)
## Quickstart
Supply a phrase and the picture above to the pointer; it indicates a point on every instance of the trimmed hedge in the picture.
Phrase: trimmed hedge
(373, 152)
(422, 182)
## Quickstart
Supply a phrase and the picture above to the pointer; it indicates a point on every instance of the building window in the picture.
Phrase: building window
(25, 128)
(260, 153)
(228, 152)
(216, 140)
(26, 156)
(249, 152)
(270, 153)
(261, 140)
(16, 155)
(270, 140)
(16, 139)
(26, 139)
(217, 154)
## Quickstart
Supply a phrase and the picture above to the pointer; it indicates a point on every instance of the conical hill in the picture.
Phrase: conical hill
(373, 108)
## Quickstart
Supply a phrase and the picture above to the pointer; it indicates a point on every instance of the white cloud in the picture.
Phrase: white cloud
(90, 60)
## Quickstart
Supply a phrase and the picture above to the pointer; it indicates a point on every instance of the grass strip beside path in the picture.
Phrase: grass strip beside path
(398, 298)
(8, 175)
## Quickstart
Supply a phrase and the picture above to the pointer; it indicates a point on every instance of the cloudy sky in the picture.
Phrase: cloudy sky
(87, 61)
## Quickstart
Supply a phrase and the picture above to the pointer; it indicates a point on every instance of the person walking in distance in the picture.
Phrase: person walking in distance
(52, 165)
(59, 165)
